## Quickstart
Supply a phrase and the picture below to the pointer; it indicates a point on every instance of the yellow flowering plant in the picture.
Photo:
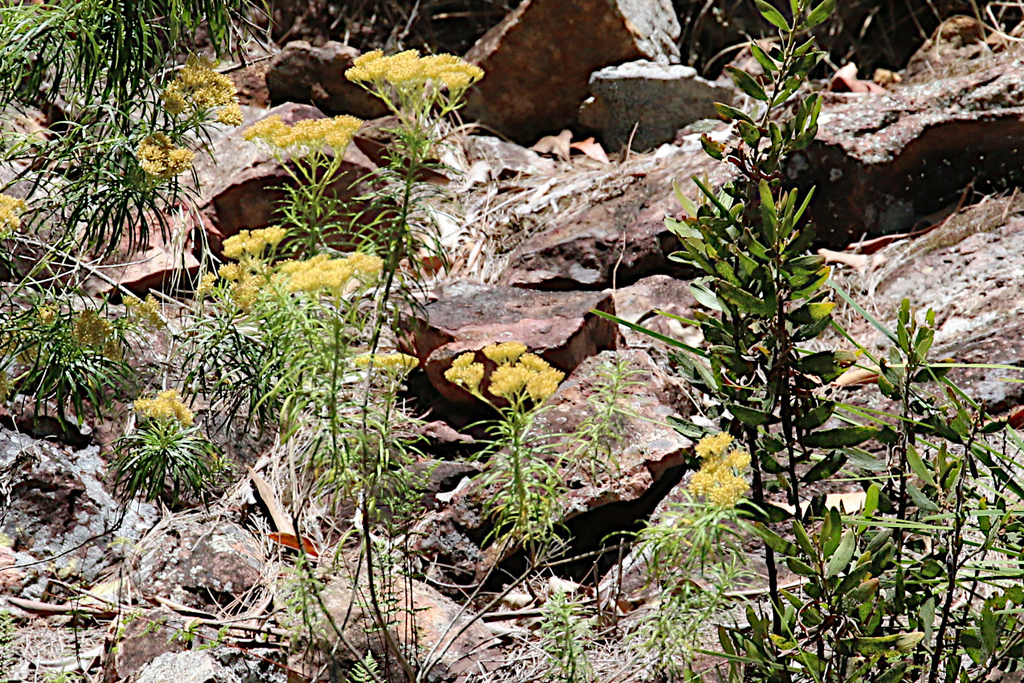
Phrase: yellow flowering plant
(523, 471)
(164, 452)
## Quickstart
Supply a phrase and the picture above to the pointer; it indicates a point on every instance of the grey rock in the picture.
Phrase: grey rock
(305, 73)
(185, 667)
(539, 58)
(657, 99)
(53, 506)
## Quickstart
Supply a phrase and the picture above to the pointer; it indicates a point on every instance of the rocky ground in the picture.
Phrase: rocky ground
(916, 174)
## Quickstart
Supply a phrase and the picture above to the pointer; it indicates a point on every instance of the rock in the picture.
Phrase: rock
(251, 84)
(505, 159)
(54, 508)
(198, 562)
(656, 99)
(141, 641)
(538, 60)
(885, 163)
(640, 303)
(559, 326)
(196, 666)
(316, 74)
(958, 40)
(241, 186)
(416, 609)
(618, 241)
(634, 471)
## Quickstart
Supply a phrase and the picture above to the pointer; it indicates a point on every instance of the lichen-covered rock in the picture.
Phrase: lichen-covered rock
(53, 507)
(467, 316)
(645, 103)
(198, 562)
(538, 60)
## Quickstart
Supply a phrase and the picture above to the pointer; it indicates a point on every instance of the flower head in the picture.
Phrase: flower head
(466, 373)
(304, 136)
(509, 380)
(161, 159)
(147, 312)
(91, 330)
(206, 283)
(199, 88)
(399, 362)
(324, 273)
(253, 243)
(720, 477)
(407, 69)
(165, 407)
(11, 209)
(506, 352)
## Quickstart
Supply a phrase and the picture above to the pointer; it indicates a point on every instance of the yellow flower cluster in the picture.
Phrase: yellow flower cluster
(399, 362)
(92, 331)
(466, 373)
(10, 215)
(162, 159)
(199, 88)
(47, 314)
(165, 407)
(409, 69)
(205, 285)
(517, 371)
(254, 242)
(305, 136)
(505, 352)
(148, 311)
(720, 477)
(324, 273)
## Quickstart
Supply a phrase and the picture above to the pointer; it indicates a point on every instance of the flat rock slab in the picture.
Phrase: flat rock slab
(539, 58)
(467, 316)
(885, 163)
(316, 75)
(618, 241)
(644, 103)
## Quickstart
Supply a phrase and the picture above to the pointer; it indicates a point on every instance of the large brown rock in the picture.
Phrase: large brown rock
(316, 74)
(242, 186)
(618, 241)
(885, 163)
(538, 60)
(467, 316)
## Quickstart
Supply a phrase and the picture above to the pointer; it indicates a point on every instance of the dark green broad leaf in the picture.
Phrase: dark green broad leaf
(773, 15)
(840, 559)
(764, 513)
(805, 332)
(804, 540)
(894, 675)
(705, 296)
(816, 417)
(762, 57)
(811, 312)
(920, 499)
(731, 113)
(687, 429)
(798, 567)
(750, 133)
(715, 150)
(918, 465)
(897, 642)
(745, 301)
(826, 468)
(820, 13)
(776, 542)
(746, 83)
(824, 364)
(750, 416)
(864, 460)
(840, 437)
(770, 465)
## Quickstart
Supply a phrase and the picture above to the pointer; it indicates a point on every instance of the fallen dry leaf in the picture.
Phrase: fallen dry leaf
(292, 541)
(845, 80)
(1016, 419)
(555, 144)
(846, 502)
(592, 149)
(856, 377)
(280, 519)
(859, 262)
